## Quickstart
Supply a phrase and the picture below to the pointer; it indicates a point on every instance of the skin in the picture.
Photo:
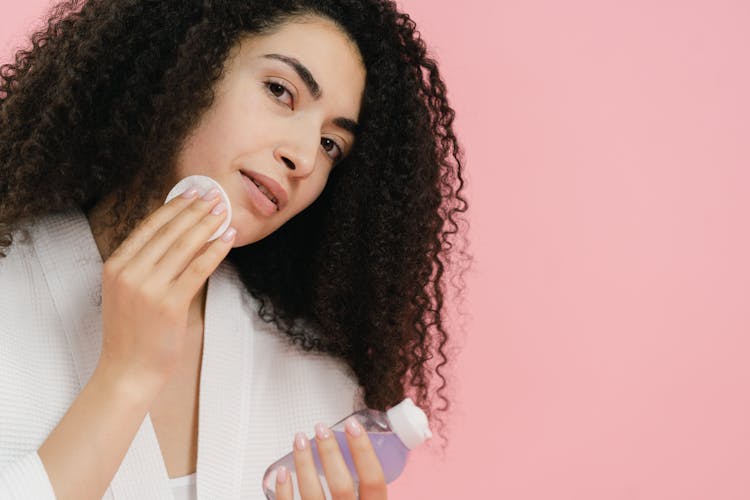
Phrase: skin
(255, 124)
(372, 483)
(264, 119)
(256, 127)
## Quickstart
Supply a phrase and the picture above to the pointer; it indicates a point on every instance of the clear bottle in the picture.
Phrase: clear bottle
(392, 433)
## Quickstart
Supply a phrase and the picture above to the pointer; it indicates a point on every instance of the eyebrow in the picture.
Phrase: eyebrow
(313, 87)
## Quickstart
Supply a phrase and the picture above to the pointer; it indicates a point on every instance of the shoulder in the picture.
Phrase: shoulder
(16, 254)
(37, 234)
(23, 277)
(38, 379)
(20, 275)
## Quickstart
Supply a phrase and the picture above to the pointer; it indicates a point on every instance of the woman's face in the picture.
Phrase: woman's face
(284, 115)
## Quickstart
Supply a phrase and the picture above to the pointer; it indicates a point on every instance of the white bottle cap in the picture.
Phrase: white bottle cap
(409, 423)
(203, 184)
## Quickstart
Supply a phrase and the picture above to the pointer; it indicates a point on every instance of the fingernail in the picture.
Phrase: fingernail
(353, 427)
(189, 193)
(219, 208)
(281, 475)
(213, 193)
(228, 234)
(300, 441)
(322, 431)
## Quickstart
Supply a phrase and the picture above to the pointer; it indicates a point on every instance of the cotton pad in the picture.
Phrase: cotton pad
(203, 184)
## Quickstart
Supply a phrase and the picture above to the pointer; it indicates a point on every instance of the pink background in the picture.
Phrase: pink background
(606, 345)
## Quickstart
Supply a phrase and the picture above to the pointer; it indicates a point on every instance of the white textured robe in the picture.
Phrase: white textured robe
(255, 390)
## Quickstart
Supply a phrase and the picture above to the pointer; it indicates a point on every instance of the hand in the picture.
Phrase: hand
(149, 282)
(372, 484)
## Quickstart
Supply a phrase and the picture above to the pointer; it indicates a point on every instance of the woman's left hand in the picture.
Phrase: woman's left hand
(372, 484)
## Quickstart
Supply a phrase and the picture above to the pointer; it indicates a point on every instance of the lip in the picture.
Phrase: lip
(271, 185)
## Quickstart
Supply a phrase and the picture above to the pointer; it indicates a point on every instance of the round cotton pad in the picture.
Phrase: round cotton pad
(203, 184)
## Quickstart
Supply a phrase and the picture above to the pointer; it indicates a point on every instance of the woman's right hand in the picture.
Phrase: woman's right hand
(149, 282)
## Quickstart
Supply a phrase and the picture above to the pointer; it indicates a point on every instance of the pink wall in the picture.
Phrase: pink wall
(608, 161)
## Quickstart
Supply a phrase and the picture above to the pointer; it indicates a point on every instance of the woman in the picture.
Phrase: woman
(124, 333)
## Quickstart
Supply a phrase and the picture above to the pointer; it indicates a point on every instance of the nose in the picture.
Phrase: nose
(298, 148)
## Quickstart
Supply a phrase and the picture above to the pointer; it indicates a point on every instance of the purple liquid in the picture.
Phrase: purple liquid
(389, 449)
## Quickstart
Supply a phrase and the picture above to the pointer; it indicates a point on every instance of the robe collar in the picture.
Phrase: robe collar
(72, 267)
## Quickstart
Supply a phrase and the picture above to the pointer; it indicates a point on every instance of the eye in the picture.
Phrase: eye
(331, 145)
(277, 91)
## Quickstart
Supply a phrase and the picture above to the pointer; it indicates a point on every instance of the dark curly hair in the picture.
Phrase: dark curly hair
(106, 96)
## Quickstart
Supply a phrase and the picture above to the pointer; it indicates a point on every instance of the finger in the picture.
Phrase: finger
(284, 487)
(197, 272)
(307, 475)
(147, 228)
(340, 482)
(372, 484)
(187, 247)
(178, 239)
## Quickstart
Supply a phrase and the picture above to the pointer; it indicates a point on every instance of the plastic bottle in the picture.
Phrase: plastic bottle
(392, 433)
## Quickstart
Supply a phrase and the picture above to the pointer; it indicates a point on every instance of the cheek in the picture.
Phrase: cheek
(310, 192)
(245, 121)
(319, 186)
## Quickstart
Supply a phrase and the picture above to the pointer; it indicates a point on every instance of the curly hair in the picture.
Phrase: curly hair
(106, 96)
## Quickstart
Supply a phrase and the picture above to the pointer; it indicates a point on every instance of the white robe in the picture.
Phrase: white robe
(255, 390)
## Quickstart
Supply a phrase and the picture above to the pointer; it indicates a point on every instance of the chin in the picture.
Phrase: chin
(244, 239)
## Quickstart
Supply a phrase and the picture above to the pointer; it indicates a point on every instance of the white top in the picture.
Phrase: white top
(183, 488)
(256, 390)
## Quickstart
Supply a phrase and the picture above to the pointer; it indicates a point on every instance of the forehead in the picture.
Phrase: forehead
(310, 34)
(317, 43)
